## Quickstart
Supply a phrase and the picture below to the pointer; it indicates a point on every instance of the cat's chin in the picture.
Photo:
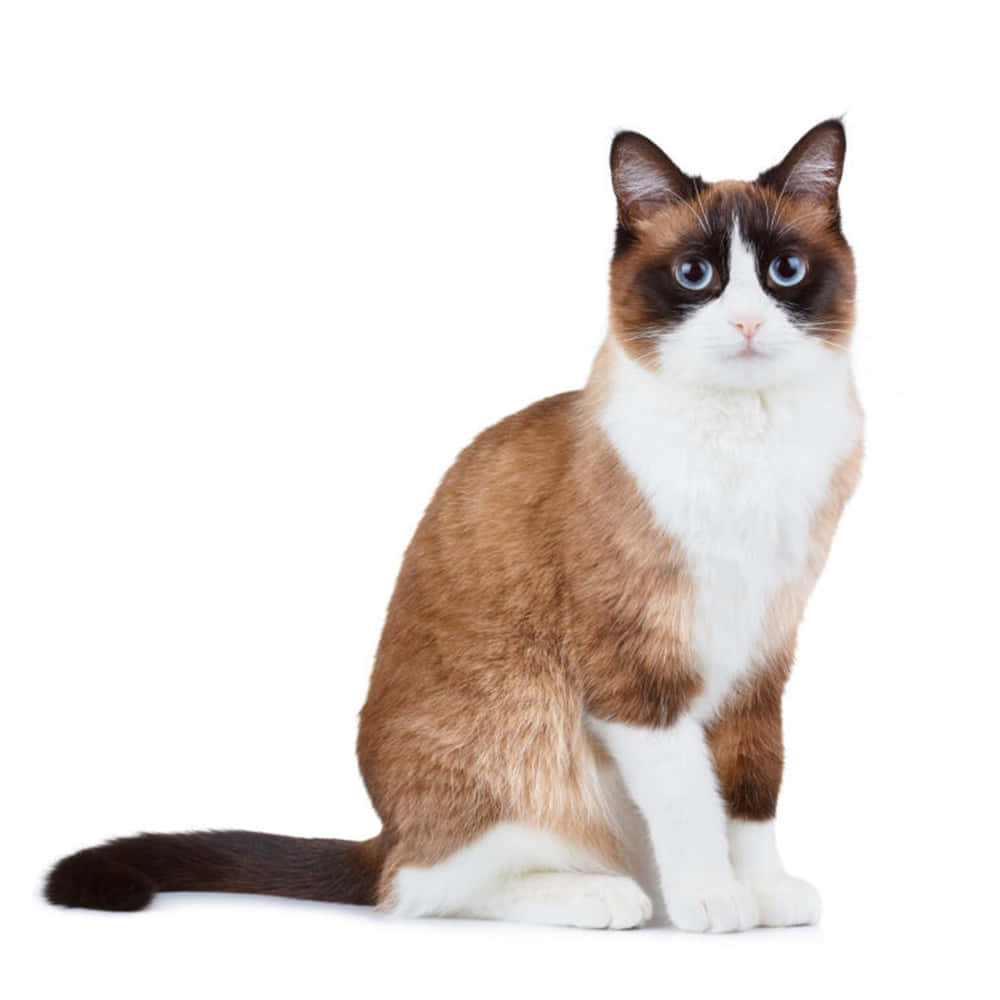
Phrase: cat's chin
(751, 372)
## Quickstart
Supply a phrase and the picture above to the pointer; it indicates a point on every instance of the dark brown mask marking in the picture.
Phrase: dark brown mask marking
(666, 216)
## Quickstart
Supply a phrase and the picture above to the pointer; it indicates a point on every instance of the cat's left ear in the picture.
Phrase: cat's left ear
(813, 166)
(645, 179)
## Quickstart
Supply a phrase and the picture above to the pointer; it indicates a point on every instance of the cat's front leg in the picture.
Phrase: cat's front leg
(746, 745)
(669, 775)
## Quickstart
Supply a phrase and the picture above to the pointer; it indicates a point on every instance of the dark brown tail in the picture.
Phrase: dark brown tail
(125, 874)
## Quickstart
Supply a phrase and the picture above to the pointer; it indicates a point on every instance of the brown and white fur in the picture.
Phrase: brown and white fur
(576, 701)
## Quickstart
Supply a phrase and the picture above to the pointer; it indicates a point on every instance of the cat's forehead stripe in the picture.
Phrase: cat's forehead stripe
(742, 263)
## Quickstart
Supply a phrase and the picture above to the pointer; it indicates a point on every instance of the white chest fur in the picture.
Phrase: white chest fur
(735, 477)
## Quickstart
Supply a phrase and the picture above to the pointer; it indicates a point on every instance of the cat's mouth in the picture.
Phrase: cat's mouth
(750, 352)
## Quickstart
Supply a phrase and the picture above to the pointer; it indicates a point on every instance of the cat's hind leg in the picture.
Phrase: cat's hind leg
(520, 873)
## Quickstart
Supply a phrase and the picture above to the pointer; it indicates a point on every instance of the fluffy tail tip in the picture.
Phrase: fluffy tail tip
(91, 880)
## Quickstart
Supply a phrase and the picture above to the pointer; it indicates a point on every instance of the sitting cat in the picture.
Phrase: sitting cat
(576, 701)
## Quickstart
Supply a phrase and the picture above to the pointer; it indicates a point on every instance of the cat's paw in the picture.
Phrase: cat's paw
(571, 899)
(785, 901)
(616, 902)
(720, 906)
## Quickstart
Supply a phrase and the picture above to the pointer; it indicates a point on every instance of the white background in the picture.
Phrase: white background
(266, 268)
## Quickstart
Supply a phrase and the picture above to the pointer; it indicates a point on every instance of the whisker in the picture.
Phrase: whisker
(704, 214)
(703, 222)
(647, 356)
(781, 194)
(802, 218)
(642, 335)
(833, 343)
(700, 220)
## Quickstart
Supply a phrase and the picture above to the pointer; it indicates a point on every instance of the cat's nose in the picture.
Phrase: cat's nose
(747, 325)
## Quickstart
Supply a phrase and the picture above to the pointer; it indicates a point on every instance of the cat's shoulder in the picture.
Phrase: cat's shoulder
(512, 464)
(537, 433)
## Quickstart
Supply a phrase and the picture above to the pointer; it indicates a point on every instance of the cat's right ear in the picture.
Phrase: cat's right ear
(814, 165)
(645, 179)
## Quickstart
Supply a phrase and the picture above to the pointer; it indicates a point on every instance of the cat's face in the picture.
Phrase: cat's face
(732, 284)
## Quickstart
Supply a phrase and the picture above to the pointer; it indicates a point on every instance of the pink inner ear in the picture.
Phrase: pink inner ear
(645, 179)
(816, 172)
(813, 166)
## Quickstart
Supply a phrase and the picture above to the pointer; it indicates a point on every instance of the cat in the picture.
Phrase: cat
(574, 715)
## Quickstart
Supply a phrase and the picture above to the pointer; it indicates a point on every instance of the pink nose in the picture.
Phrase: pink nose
(747, 325)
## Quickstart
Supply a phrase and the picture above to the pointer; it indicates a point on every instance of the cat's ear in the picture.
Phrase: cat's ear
(813, 166)
(644, 178)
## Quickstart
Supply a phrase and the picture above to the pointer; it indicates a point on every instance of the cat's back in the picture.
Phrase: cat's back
(507, 481)
(484, 549)
(522, 452)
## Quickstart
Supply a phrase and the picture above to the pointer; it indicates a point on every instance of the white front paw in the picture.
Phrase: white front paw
(785, 901)
(719, 906)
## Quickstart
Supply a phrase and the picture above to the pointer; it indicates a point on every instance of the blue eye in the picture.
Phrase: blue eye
(787, 269)
(693, 273)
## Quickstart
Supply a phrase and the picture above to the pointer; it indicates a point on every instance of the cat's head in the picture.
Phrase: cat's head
(732, 284)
